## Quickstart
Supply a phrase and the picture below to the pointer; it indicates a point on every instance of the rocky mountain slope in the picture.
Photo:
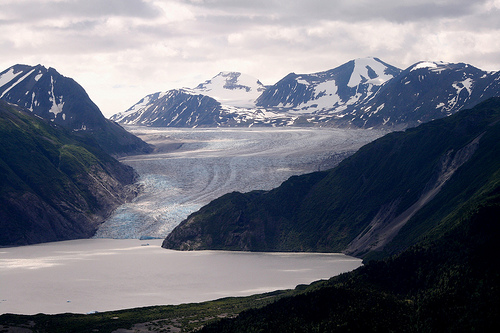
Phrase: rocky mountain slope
(174, 108)
(225, 100)
(392, 193)
(362, 93)
(329, 92)
(423, 92)
(63, 101)
(54, 185)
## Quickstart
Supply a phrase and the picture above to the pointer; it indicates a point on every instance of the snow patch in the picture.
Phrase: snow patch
(17, 82)
(232, 88)
(57, 106)
(379, 108)
(423, 65)
(435, 66)
(465, 84)
(360, 73)
(7, 77)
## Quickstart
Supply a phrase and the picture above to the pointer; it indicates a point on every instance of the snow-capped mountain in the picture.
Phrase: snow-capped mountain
(228, 99)
(423, 92)
(50, 95)
(364, 93)
(173, 108)
(232, 88)
(328, 92)
(63, 101)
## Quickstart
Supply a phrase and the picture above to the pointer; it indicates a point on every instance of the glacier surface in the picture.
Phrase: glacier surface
(191, 167)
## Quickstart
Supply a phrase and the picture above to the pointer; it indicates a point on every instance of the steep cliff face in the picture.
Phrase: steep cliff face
(389, 195)
(52, 185)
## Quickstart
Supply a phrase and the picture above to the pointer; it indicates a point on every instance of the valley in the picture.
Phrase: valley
(191, 167)
(420, 206)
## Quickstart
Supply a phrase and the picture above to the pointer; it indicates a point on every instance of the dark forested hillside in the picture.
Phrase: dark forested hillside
(53, 185)
(449, 284)
(395, 191)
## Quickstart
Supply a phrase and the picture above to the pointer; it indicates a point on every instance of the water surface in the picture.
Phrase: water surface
(106, 274)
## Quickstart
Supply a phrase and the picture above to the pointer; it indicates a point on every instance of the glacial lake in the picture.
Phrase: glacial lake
(83, 276)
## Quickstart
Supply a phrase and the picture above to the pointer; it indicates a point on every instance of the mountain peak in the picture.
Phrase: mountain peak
(369, 70)
(431, 65)
(232, 88)
(331, 91)
(229, 74)
(61, 100)
(364, 92)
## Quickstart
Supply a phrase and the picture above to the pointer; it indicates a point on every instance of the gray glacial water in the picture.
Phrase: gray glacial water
(82, 276)
(191, 167)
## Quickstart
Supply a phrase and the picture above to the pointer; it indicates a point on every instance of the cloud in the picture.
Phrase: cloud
(343, 10)
(121, 50)
(35, 10)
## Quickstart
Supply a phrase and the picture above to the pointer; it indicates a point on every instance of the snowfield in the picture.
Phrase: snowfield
(191, 167)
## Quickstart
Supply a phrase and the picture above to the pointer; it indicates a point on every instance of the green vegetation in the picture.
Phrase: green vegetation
(188, 317)
(53, 186)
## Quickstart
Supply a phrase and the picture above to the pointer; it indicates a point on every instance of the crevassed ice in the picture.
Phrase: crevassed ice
(213, 162)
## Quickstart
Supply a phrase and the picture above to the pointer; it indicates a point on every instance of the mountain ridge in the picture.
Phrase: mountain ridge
(438, 89)
(346, 84)
(60, 99)
(362, 93)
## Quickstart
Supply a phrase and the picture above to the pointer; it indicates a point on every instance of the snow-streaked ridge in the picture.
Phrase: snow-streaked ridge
(236, 92)
(364, 92)
(15, 83)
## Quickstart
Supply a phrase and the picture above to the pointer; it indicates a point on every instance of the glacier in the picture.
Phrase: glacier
(191, 167)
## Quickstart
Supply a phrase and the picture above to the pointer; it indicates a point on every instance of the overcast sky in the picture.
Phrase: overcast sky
(122, 50)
